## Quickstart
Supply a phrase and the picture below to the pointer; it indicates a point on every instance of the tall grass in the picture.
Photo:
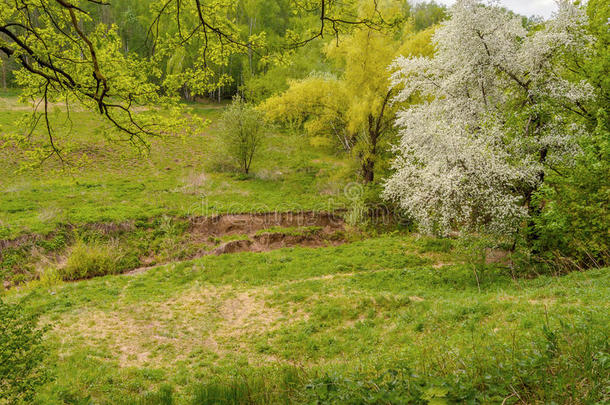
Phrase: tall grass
(86, 260)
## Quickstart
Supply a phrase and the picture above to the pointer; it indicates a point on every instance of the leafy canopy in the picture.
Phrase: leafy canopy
(69, 52)
(352, 109)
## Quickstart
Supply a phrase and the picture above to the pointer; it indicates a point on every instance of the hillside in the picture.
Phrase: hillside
(353, 317)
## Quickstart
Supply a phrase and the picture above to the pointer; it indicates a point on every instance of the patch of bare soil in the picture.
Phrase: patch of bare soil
(262, 232)
(270, 241)
(215, 235)
(498, 256)
(208, 321)
(237, 224)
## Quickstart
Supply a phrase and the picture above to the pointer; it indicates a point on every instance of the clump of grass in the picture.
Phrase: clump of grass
(272, 386)
(49, 277)
(435, 245)
(88, 260)
(164, 396)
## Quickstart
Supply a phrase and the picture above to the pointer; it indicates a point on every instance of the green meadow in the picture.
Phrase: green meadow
(387, 316)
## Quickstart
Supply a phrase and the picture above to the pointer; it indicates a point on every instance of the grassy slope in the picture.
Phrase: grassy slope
(384, 319)
(178, 177)
(380, 304)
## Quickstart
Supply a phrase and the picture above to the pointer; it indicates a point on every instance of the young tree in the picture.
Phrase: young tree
(243, 130)
(494, 120)
(354, 109)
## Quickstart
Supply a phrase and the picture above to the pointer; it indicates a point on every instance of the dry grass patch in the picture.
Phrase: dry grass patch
(211, 322)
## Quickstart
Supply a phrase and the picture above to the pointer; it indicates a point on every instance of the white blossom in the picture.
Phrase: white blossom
(491, 120)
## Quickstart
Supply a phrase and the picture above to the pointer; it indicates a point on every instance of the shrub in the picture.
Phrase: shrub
(21, 354)
(242, 131)
(91, 260)
(573, 226)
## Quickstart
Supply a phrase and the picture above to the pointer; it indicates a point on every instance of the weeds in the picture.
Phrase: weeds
(88, 260)
(562, 364)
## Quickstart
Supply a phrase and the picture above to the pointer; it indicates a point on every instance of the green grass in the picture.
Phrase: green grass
(389, 319)
(336, 320)
(294, 231)
(178, 177)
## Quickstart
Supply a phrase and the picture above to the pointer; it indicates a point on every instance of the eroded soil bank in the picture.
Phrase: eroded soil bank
(139, 245)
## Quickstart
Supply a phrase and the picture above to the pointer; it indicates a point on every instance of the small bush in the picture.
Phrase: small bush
(242, 131)
(91, 260)
(21, 354)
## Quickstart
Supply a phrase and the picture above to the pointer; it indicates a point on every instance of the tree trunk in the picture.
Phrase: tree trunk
(535, 210)
(368, 161)
(3, 65)
(368, 171)
(250, 46)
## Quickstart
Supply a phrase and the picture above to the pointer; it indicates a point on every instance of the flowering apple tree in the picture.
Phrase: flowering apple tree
(492, 121)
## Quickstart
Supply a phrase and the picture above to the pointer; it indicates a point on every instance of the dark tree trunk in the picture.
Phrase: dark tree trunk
(368, 171)
(368, 161)
(534, 210)
(3, 63)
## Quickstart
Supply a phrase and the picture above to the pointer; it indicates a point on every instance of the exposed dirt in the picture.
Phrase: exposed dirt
(202, 236)
(238, 224)
(271, 241)
(267, 231)
(498, 256)
(210, 321)
(262, 232)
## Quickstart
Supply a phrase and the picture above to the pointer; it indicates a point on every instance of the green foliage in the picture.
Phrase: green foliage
(21, 354)
(426, 14)
(352, 111)
(573, 225)
(88, 260)
(276, 78)
(243, 131)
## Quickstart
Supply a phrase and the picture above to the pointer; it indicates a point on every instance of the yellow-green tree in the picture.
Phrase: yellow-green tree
(354, 109)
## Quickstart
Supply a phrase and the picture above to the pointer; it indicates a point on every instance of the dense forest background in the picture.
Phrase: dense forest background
(253, 73)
